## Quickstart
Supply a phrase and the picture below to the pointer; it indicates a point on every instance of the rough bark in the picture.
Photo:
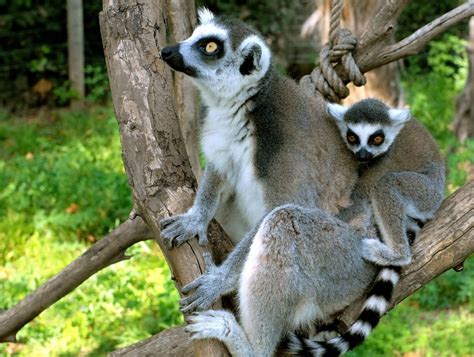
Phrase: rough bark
(109, 250)
(154, 153)
(464, 121)
(443, 244)
(182, 14)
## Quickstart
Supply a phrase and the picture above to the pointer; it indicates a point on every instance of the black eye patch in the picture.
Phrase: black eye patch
(377, 138)
(211, 47)
(352, 138)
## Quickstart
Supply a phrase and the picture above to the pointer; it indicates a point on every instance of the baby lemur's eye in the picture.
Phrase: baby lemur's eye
(211, 47)
(352, 138)
(377, 140)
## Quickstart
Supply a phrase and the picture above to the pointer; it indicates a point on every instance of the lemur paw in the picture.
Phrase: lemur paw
(378, 253)
(205, 290)
(178, 229)
(210, 324)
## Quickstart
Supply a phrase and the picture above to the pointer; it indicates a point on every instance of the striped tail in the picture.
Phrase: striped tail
(376, 305)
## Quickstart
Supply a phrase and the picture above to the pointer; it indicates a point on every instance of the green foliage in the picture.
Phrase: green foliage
(34, 46)
(97, 83)
(61, 185)
(410, 329)
(65, 175)
(431, 96)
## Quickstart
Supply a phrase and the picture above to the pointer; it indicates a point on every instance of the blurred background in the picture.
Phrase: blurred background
(63, 186)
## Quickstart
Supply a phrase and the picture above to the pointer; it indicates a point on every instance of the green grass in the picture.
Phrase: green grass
(62, 186)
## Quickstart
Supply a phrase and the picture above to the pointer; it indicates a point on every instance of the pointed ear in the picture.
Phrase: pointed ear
(205, 15)
(337, 111)
(399, 116)
(256, 56)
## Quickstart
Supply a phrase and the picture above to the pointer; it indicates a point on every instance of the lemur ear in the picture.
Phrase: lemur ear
(399, 116)
(255, 54)
(205, 15)
(337, 111)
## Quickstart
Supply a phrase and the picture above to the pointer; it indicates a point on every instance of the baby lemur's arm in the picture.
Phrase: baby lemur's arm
(398, 198)
(178, 229)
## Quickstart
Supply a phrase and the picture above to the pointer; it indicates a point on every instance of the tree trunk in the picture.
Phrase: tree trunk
(183, 20)
(154, 153)
(75, 50)
(464, 121)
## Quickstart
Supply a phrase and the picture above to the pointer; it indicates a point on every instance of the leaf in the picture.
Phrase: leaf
(73, 208)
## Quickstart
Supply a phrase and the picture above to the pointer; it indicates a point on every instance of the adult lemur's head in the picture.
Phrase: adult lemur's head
(368, 127)
(223, 55)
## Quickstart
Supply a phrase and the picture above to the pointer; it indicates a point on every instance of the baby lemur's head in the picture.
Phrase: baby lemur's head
(223, 55)
(368, 127)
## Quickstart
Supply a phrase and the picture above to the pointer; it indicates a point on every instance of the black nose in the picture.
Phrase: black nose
(364, 155)
(167, 52)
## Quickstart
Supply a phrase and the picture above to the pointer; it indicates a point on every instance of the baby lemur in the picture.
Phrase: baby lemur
(401, 174)
(389, 176)
(276, 172)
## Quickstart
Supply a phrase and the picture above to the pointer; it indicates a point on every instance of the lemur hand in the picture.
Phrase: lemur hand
(207, 288)
(181, 228)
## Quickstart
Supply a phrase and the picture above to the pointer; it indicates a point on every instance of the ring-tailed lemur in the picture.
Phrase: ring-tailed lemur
(265, 150)
(402, 174)
(262, 145)
(388, 178)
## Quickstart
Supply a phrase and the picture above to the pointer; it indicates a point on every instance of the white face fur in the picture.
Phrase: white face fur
(368, 140)
(218, 67)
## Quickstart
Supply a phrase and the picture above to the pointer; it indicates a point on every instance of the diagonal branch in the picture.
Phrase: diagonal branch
(444, 243)
(414, 43)
(371, 52)
(107, 251)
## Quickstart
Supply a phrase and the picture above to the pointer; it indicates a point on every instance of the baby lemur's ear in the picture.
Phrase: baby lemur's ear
(337, 111)
(256, 56)
(399, 116)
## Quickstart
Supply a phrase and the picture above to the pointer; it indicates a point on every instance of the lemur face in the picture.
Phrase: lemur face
(223, 56)
(368, 127)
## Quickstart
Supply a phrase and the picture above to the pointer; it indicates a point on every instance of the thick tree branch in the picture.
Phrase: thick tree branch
(109, 250)
(444, 242)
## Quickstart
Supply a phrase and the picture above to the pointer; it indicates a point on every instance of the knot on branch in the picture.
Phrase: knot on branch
(337, 51)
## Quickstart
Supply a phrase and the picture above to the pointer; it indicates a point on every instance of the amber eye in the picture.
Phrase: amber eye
(377, 140)
(351, 139)
(211, 47)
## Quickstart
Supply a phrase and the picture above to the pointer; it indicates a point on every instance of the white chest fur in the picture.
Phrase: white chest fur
(228, 144)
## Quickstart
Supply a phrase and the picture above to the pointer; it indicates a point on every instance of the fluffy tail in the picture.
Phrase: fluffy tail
(376, 305)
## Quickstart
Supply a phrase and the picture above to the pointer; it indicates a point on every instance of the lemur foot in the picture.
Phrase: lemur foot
(378, 253)
(178, 229)
(206, 289)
